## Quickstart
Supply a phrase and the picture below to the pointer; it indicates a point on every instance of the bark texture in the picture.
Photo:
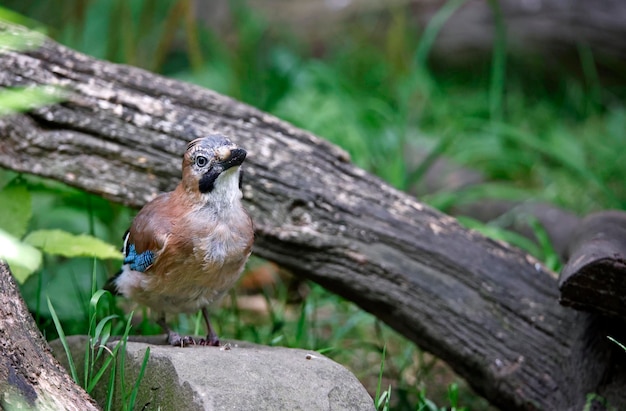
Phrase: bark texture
(594, 278)
(487, 309)
(30, 377)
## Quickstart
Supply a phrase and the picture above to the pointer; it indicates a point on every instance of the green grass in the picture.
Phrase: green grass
(619, 344)
(100, 358)
(554, 136)
(382, 399)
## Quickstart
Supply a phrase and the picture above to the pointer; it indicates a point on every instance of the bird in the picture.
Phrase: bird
(186, 248)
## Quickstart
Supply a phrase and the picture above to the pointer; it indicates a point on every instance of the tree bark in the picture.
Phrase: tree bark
(30, 377)
(487, 309)
(594, 279)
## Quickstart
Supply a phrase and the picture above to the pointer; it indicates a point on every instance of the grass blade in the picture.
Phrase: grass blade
(120, 349)
(301, 326)
(93, 329)
(66, 347)
(623, 347)
(133, 394)
(380, 376)
(498, 64)
(433, 28)
(96, 378)
(111, 386)
(102, 334)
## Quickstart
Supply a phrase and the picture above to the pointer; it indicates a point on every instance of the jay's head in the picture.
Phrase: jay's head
(211, 164)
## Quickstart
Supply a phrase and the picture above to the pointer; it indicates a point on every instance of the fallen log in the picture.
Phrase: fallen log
(30, 377)
(487, 309)
(594, 278)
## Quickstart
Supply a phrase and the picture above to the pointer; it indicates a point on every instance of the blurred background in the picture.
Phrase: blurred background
(507, 114)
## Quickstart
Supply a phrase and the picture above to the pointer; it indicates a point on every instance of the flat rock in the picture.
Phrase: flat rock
(236, 376)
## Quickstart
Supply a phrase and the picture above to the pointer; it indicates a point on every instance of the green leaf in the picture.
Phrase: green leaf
(15, 100)
(17, 18)
(22, 258)
(20, 41)
(59, 242)
(16, 206)
(6, 176)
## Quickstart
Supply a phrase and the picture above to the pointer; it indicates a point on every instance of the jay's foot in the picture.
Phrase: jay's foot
(174, 339)
(210, 340)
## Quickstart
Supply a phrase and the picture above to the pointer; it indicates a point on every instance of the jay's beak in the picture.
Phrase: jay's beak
(236, 158)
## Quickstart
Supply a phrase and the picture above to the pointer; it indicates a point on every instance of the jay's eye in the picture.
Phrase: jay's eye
(201, 161)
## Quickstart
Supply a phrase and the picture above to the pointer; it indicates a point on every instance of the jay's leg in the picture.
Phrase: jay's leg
(173, 338)
(211, 338)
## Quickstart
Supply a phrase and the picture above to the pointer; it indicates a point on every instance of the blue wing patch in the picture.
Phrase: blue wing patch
(138, 262)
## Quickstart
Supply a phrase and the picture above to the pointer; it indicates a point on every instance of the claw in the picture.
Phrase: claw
(209, 341)
(176, 340)
(212, 340)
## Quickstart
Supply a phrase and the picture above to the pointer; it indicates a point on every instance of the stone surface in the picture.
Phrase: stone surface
(236, 376)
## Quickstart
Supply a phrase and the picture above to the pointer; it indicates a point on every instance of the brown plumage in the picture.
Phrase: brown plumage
(186, 248)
